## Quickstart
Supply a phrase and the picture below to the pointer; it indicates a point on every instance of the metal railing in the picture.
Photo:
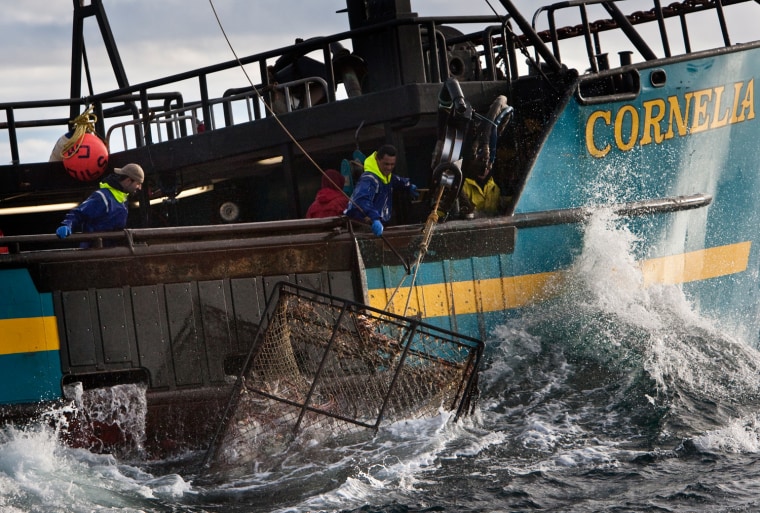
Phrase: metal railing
(184, 121)
(658, 14)
(154, 120)
(156, 116)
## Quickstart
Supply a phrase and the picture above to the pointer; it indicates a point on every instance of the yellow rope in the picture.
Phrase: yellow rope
(427, 235)
(83, 124)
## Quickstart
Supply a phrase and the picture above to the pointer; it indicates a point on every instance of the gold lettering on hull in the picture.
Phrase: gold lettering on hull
(661, 119)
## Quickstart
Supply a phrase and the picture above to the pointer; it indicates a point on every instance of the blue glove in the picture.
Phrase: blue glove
(413, 192)
(377, 228)
(63, 231)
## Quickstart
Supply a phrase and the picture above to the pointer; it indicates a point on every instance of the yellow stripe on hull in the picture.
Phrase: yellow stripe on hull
(467, 297)
(28, 335)
(697, 265)
(497, 294)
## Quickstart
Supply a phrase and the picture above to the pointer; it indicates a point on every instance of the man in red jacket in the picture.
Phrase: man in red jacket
(330, 200)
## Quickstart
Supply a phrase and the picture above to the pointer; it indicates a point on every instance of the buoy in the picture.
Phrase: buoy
(87, 159)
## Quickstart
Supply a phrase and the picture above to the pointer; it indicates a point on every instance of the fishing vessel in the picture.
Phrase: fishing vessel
(608, 111)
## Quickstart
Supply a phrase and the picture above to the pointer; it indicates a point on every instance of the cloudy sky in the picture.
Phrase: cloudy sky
(160, 37)
(155, 38)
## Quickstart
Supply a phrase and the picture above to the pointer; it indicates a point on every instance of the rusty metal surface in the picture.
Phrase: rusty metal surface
(185, 315)
(470, 239)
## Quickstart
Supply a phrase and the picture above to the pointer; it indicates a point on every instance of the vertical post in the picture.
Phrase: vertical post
(294, 199)
(108, 40)
(722, 21)
(407, 344)
(203, 84)
(663, 30)
(78, 55)
(77, 51)
(12, 135)
(318, 374)
(145, 118)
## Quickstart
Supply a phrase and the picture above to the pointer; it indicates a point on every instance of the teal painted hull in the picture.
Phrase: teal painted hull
(714, 156)
(30, 377)
(26, 376)
(174, 301)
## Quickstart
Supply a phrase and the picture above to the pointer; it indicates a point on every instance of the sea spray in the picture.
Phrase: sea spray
(108, 419)
(40, 472)
(642, 354)
(578, 394)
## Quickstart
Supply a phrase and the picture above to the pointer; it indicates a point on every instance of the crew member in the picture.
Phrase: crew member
(106, 208)
(330, 200)
(372, 200)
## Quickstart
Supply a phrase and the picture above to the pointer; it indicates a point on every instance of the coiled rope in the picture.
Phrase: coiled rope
(83, 124)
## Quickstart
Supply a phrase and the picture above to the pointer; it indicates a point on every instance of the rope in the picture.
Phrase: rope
(422, 249)
(293, 139)
(272, 113)
(83, 124)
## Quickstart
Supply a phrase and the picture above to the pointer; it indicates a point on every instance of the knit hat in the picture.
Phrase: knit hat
(134, 171)
(333, 179)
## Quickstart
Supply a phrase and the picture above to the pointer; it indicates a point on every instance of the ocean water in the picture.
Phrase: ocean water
(611, 398)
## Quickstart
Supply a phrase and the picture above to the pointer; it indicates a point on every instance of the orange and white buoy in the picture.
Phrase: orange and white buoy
(87, 159)
(84, 154)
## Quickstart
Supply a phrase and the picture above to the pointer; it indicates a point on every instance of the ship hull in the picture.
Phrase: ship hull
(603, 154)
(174, 310)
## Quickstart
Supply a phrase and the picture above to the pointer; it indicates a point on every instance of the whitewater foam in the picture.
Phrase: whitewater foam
(39, 473)
(739, 436)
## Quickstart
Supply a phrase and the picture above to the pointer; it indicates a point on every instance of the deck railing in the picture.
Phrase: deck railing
(142, 114)
(480, 48)
(689, 13)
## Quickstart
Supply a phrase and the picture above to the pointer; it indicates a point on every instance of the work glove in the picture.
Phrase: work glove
(63, 231)
(413, 192)
(377, 227)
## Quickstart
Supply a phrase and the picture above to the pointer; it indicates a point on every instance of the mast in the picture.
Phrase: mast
(79, 54)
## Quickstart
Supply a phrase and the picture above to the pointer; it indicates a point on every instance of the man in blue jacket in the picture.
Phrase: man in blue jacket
(106, 208)
(372, 199)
